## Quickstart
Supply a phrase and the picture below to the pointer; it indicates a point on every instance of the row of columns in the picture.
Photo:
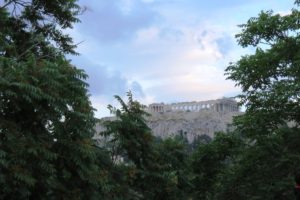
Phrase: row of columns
(226, 107)
(219, 107)
(195, 107)
(157, 108)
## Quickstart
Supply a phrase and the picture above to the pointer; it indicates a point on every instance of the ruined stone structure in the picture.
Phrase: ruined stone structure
(192, 118)
(219, 105)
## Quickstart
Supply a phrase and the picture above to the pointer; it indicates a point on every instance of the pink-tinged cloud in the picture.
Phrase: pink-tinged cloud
(162, 50)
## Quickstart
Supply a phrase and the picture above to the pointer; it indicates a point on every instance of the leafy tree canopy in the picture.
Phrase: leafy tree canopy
(46, 118)
(264, 166)
(270, 78)
(34, 25)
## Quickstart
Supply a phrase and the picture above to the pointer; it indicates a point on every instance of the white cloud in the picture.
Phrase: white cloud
(189, 66)
(101, 102)
(181, 56)
(284, 13)
(111, 21)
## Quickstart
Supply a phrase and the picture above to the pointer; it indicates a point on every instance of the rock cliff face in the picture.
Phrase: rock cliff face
(193, 124)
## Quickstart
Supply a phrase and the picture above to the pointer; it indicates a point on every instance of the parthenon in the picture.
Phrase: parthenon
(219, 105)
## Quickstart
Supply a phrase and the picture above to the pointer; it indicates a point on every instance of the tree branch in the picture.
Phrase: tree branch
(9, 2)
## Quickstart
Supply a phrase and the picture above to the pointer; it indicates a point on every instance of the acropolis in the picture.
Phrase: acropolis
(219, 105)
(192, 118)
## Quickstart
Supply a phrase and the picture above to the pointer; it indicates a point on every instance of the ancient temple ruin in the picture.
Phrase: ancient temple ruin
(219, 105)
(191, 118)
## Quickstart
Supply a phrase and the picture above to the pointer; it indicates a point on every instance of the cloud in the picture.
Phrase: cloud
(105, 83)
(225, 44)
(184, 62)
(137, 89)
(103, 80)
(178, 50)
(100, 103)
(284, 13)
(163, 62)
(169, 33)
(207, 82)
(161, 50)
(111, 21)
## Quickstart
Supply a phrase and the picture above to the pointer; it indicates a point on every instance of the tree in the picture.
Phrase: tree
(270, 81)
(173, 158)
(130, 129)
(262, 170)
(36, 25)
(151, 169)
(209, 161)
(270, 78)
(46, 118)
(132, 140)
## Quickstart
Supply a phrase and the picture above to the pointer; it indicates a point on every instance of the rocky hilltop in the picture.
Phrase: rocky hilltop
(189, 118)
(192, 124)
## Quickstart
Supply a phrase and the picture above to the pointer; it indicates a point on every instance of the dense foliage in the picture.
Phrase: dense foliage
(153, 169)
(46, 119)
(270, 126)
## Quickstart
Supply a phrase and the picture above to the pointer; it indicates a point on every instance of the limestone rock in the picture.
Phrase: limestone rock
(193, 124)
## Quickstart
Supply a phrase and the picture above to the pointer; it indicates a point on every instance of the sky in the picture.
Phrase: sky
(162, 50)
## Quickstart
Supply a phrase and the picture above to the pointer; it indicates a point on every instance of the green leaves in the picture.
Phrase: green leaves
(147, 169)
(268, 28)
(270, 77)
(264, 166)
(46, 118)
(36, 23)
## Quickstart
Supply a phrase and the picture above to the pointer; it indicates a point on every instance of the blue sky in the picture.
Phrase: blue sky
(162, 50)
